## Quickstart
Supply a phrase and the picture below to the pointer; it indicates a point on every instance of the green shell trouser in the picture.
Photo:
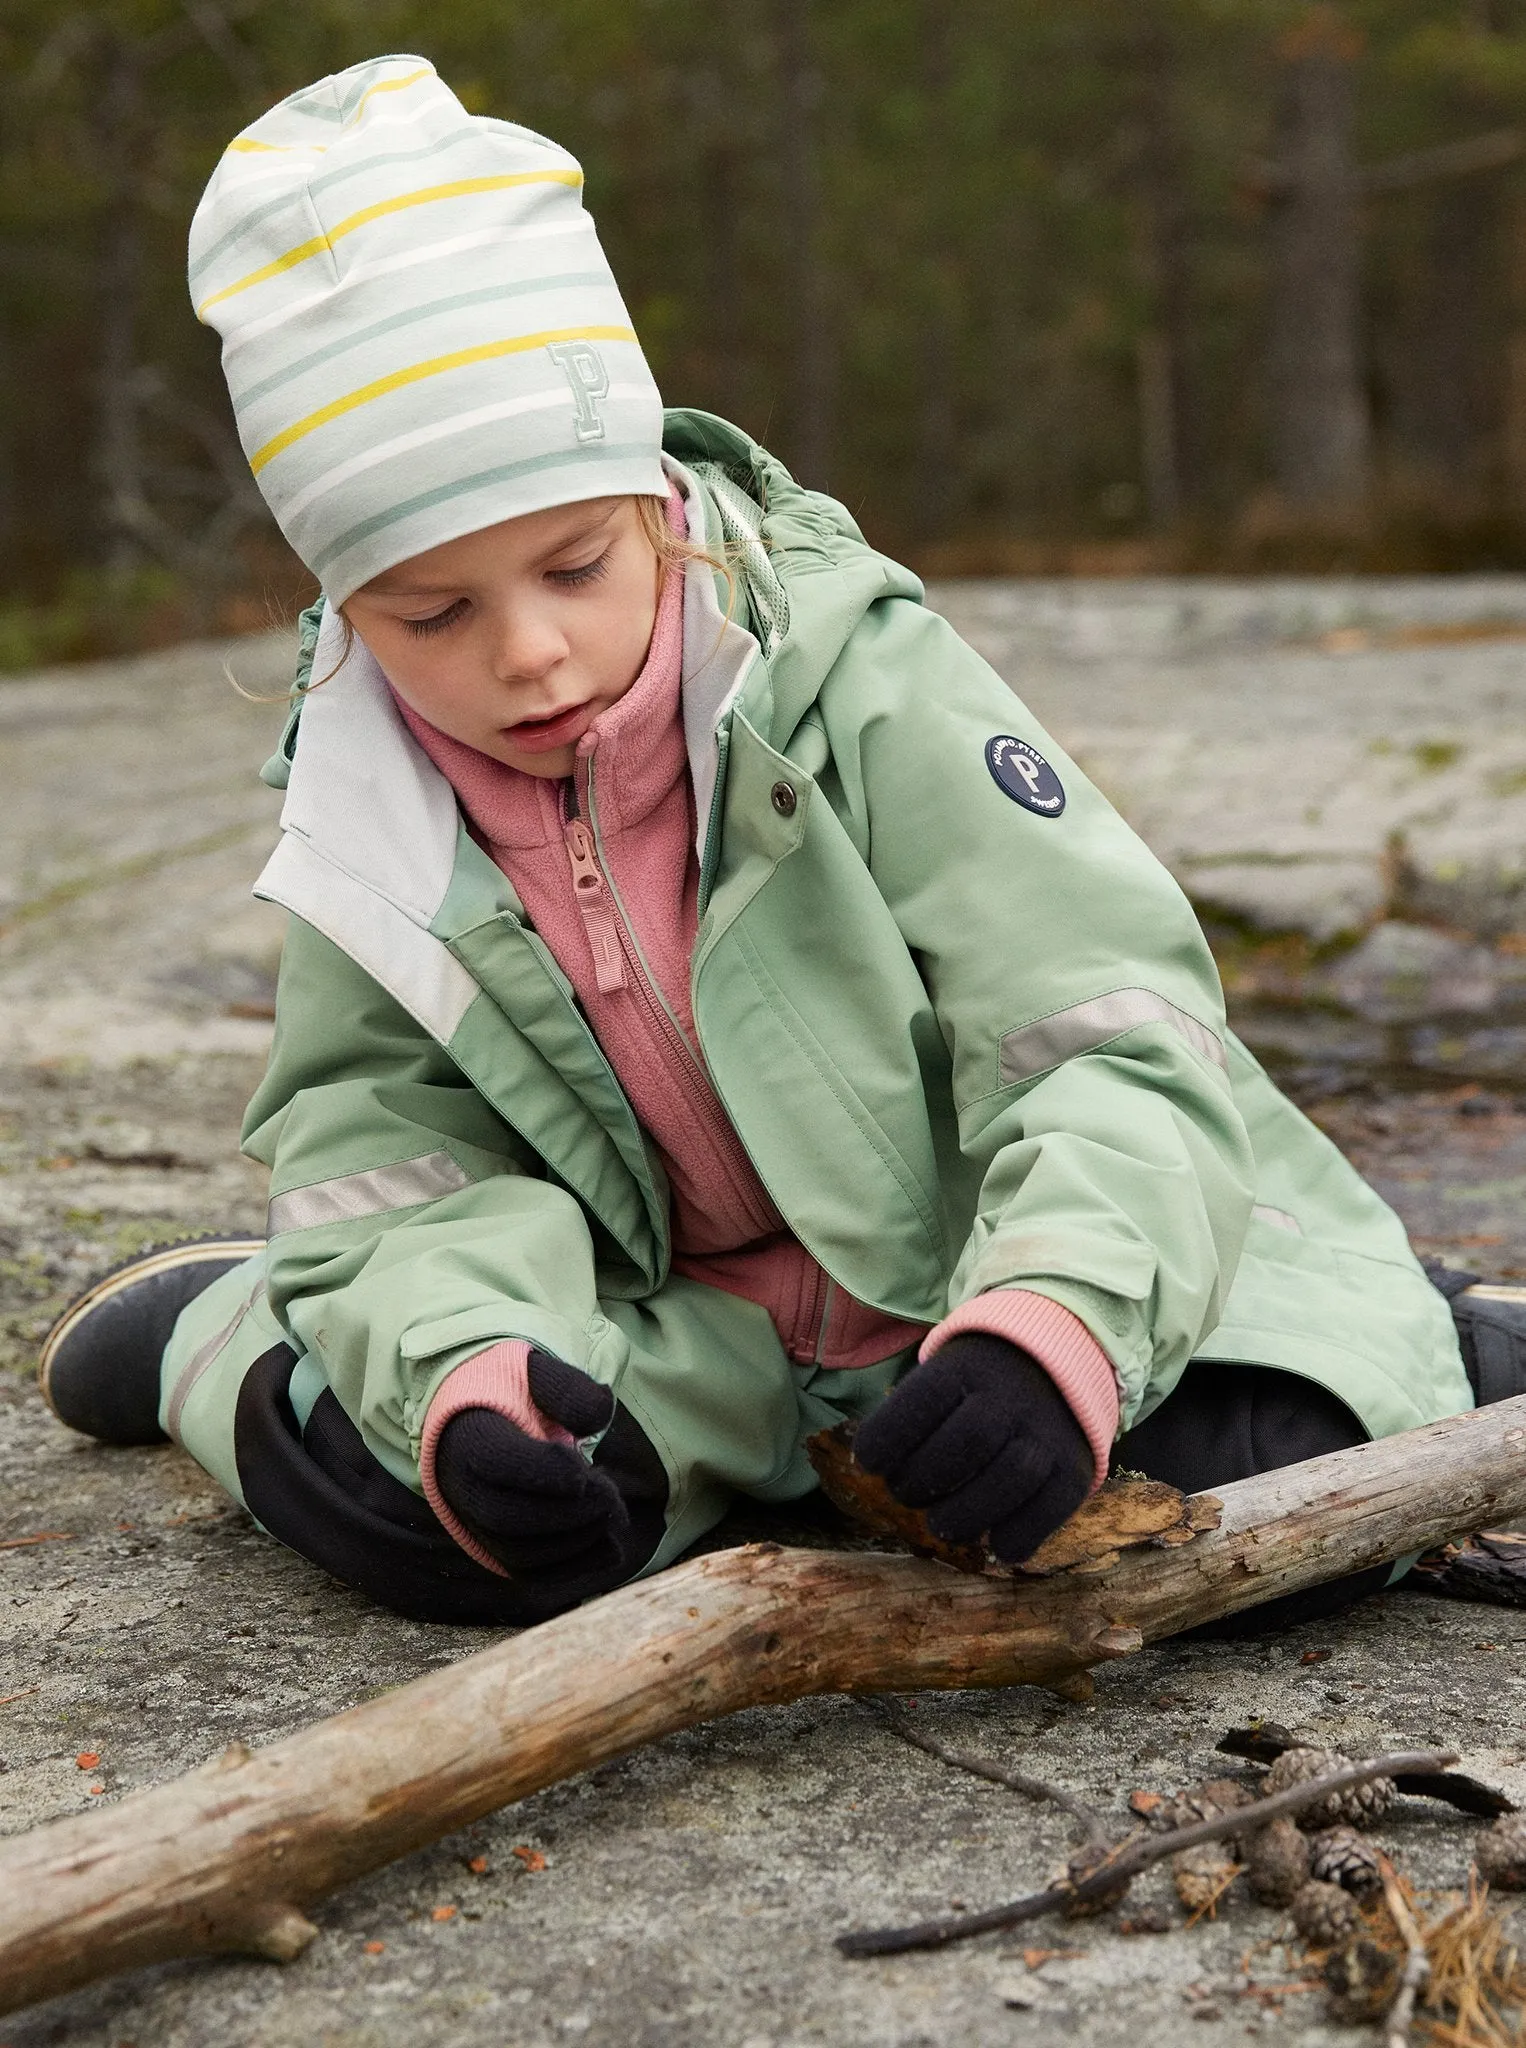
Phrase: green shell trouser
(708, 1383)
(703, 1375)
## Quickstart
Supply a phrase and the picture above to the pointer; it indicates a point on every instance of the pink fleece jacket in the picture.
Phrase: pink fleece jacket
(620, 918)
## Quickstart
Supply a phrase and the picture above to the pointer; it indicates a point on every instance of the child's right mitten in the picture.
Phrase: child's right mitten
(981, 1437)
(540, 1507)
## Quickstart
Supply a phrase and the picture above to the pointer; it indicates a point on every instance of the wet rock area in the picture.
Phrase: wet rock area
(687, 1896)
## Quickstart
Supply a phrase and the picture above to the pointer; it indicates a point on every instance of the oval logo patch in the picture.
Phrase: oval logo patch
(1022, 773)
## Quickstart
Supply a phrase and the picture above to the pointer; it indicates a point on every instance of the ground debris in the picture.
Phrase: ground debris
(1359, 1806)
(1342, 1856)
(1277, 1862)
(1489, 1566)
(1500, 1853)
(1459, 1969)
(1263, 1742)
(1202, 1876)
(1125, 1513)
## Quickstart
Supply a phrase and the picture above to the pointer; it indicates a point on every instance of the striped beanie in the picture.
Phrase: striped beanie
(421, 333)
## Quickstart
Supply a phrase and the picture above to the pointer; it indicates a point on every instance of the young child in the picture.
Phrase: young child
(712, 1006)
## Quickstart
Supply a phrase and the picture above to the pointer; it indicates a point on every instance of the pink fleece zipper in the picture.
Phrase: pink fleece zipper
(601, 921)
(665, 1035)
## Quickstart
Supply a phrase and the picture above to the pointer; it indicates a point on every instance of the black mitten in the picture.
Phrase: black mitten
(541, 1509)
(982, 1438)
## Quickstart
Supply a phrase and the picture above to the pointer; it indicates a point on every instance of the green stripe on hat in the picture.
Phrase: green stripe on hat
(461, 487)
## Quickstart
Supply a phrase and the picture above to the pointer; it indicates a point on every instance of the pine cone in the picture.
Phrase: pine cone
(1081, 1863)
(1277, 1862)
(1323, 1914)
(1209, 1800)
(1342, 1856)
(1362, 1980)
(1359, 1805)
(1203, 1874)
(1500, 1853)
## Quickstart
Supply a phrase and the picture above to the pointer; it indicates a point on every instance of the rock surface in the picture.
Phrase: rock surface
(1304, 756)
(685, 1897)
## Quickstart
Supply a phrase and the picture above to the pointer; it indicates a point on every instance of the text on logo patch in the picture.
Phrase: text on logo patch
(1022, 773)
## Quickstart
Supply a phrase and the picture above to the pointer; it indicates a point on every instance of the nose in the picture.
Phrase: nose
(529, 645)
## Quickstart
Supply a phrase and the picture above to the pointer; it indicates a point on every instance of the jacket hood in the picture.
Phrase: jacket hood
(827, 572)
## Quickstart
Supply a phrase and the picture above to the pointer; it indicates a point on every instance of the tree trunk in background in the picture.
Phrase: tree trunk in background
(119, 455)
(802, 257)
(1320, 443)
(1445, 398)
(932, 490)
(1513, 402)
(10, 496)
(1170, 417)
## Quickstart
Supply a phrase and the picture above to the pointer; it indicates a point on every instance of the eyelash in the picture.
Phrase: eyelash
(589, 573)
(569, 579)
(440, 620)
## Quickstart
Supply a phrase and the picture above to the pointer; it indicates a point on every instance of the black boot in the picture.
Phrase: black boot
(99, 1368)
(1491, 1331)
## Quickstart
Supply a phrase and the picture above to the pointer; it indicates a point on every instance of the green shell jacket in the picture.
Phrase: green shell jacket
(967, 1044)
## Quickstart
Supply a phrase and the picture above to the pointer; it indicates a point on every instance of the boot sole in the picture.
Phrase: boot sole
(163, 1258)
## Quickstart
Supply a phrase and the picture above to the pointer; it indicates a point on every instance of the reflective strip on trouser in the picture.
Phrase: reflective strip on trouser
(407, 1185)
(217, 1338)
(1084, 1027)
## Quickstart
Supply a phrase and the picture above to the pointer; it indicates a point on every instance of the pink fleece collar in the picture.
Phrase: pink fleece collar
(639, 741)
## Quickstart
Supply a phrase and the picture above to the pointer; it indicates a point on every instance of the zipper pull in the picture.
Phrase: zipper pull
(600, 919)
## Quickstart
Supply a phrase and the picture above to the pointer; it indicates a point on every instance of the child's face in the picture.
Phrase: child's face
(514, 639)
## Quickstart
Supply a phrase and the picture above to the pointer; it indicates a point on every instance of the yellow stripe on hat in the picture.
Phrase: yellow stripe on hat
(458, 190)
(457, 360)
(245, 145)
(389, 85)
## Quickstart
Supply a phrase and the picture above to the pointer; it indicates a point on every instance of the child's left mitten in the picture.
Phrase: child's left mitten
(981, 1438)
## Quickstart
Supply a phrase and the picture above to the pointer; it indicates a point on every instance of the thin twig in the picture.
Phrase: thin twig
(9, 1698)
(1093, 1826)
(884, 1941)
(1417, 1968)
(42, 1536)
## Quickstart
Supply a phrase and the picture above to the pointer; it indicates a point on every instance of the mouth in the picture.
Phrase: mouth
(559, 729)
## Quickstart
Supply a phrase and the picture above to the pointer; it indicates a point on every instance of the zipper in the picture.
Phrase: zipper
(824, 1313)
(591, 893)
(603, 912)
(710, 859)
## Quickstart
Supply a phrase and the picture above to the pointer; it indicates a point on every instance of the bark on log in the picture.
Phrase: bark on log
(231, 1856)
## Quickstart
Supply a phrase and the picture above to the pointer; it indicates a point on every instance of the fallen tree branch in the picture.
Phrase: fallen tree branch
(1123, 1868)
(1093, 1829)
(231, 1856)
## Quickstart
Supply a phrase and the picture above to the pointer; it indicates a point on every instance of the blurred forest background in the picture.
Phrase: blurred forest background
(1043, 286)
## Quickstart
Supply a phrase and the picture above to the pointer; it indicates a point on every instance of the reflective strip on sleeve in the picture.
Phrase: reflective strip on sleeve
(1278, 1218)
(1034, 1048)
(354, 1195)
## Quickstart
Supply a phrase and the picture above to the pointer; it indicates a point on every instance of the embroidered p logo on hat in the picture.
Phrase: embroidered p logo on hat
(583, 367)
(1021, 772)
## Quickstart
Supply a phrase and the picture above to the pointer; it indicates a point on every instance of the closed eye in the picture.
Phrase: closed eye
(437, 622)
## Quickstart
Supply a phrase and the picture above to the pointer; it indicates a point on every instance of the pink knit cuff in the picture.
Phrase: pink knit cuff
(497, 1378)
(1063, 1346)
